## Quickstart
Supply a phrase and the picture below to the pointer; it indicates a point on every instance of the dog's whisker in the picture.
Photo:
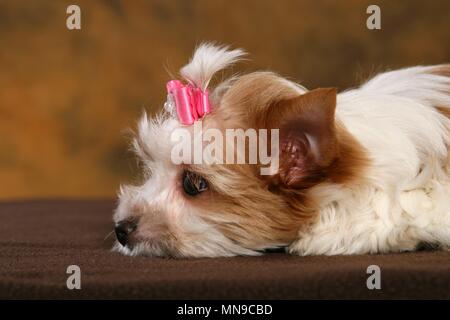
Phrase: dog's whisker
(108, 235)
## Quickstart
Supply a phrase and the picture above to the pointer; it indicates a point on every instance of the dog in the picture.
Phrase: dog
(363, 171)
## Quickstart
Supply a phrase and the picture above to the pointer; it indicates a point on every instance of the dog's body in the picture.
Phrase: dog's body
(365, 171)
(404, 198)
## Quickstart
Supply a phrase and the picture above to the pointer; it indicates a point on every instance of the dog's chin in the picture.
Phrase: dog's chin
(140, 249)
(152, 249)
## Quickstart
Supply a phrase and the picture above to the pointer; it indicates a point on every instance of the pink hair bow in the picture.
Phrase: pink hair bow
(191, 103)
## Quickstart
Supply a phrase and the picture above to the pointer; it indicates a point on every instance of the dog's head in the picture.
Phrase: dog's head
(217, 208)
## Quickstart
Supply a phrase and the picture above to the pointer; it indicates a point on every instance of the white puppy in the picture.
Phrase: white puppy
(363, 171)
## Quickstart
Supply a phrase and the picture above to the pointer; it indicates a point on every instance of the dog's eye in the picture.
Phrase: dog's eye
(193, 184)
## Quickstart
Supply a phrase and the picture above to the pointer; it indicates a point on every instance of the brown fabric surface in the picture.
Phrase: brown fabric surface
(39, 239)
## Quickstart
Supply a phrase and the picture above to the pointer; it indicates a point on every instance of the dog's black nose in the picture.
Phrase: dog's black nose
(123, 229)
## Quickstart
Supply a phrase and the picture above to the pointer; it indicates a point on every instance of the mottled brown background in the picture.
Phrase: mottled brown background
(66, 97)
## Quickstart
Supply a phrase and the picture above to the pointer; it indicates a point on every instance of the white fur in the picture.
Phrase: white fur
(206, 61)
(405, 198)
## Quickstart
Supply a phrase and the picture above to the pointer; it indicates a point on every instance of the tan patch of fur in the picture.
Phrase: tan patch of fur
(351, 159)
(444, 110)
(442, 70)
(253, 215)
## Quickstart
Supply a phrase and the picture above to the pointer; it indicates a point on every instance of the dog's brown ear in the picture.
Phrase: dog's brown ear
(308, 143)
